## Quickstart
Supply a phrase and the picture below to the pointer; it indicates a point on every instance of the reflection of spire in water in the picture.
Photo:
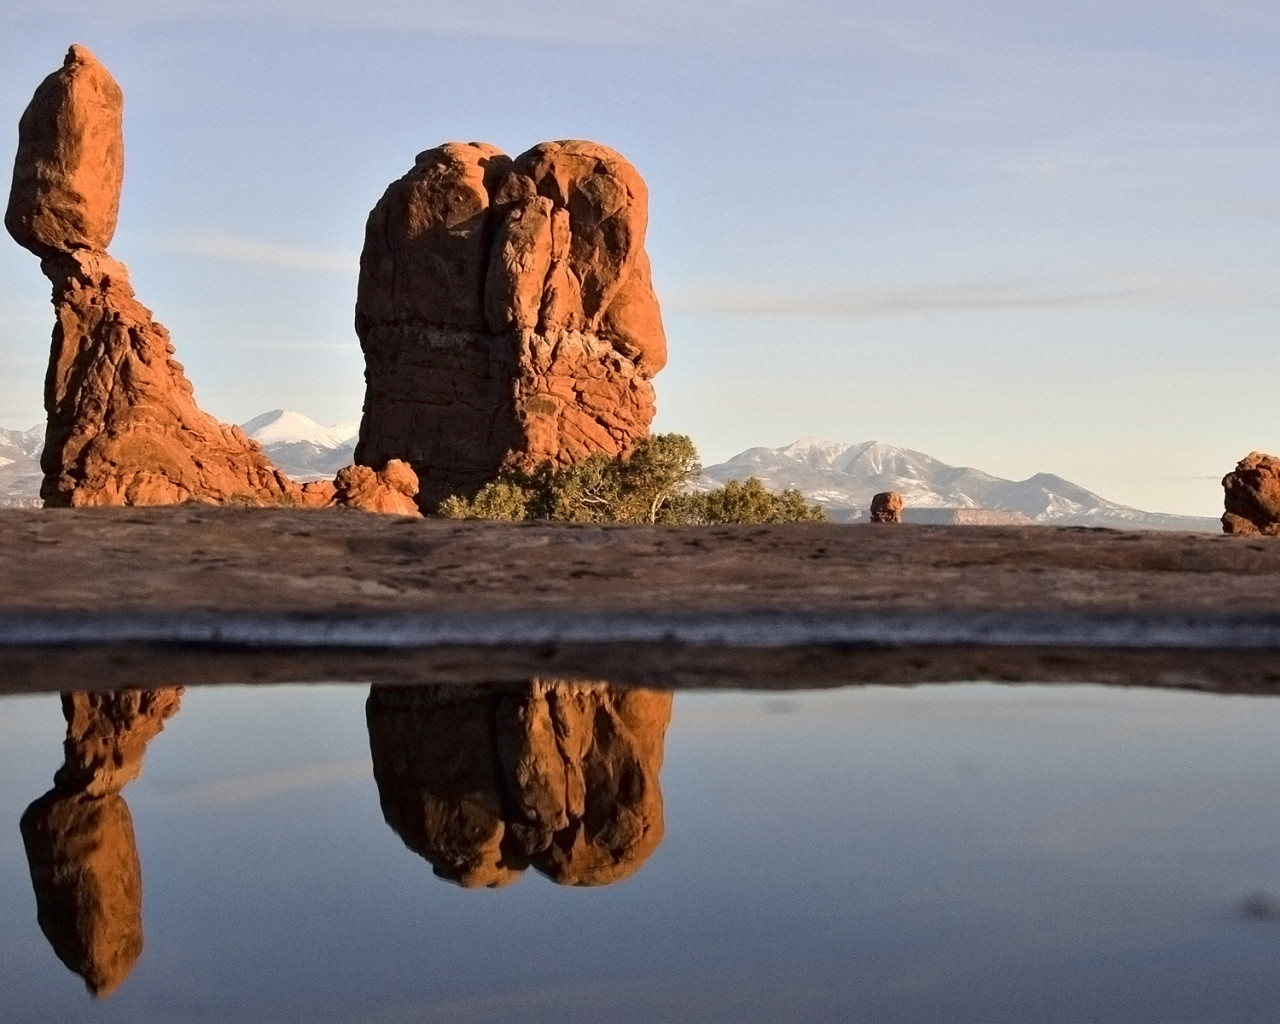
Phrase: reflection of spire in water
(484, 781)
(79, 836)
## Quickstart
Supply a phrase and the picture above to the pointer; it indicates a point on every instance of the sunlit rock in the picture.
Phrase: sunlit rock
(1252, 496)
(506, 313)
(886, 507)
(123, 425)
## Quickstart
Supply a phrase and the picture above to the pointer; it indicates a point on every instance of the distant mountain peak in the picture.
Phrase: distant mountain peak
(283, 426)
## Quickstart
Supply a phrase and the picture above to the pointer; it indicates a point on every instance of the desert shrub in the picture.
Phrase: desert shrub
(747, 501)
(501, 499)
(649, 485)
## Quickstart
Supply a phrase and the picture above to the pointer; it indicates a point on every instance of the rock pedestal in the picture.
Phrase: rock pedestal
(506, 314)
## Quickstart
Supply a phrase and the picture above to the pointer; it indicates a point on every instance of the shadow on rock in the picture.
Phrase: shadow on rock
(484, 782)
(79, 836)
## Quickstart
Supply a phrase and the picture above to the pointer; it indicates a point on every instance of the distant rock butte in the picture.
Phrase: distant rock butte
(79, 837)
(506, 313)
(1252, 496)
(484, 781)
(886, 507)
(123, 425)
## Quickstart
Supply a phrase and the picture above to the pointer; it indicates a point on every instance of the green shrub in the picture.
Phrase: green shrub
(649, 485)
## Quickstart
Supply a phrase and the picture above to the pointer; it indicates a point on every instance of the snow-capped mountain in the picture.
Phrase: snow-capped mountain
(301, 447)
(20, 474)
(844, 477)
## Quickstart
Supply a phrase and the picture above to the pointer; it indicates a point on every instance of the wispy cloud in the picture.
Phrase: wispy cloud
(1125, 287)
(237, 249)
(243, 789)
(882, 303)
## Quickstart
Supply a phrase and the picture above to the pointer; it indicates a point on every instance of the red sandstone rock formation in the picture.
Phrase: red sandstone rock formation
(123, 424)
(124, 428)
(390, 489)
(1252, 496)
(79, 836)
(485, 781)
(506, 313)
(886, 507)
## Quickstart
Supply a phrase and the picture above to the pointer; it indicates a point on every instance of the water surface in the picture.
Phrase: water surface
(954, 853)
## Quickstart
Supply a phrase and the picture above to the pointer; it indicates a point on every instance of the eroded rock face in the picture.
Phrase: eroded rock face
(123, 424)
(1252, 496)
(506, 313)
(79, 836)
(886, 507)
(484, 782)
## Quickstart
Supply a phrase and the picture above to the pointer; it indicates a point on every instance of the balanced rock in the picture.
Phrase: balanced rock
(886, 507)
(1252, 496)
(123, 424)
(486, 781)
(70, 161)
(506, 314)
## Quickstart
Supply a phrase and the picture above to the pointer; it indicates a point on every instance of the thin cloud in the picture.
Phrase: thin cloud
(959, 298)
(244, 789)
(868, 304)
(745, 23)
(237, 249)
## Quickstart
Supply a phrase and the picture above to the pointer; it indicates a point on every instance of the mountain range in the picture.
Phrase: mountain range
(844, 477)
(840, 477)
(20, 474)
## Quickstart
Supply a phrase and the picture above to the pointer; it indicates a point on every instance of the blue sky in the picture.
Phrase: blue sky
(1014, 238)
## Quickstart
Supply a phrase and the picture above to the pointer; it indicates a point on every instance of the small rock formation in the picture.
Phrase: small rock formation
(79, 836)
(123, 424)
(390, 489)
(484, 781)
(1252, 496)
(886, 507)
(506, 314)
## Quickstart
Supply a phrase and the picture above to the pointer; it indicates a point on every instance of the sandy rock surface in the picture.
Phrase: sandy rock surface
(186, 564)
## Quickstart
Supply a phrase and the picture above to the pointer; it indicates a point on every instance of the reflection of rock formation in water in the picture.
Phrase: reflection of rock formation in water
(79, 836)
(485, 781)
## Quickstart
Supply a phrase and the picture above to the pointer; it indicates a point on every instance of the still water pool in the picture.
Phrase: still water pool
(967, 852)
